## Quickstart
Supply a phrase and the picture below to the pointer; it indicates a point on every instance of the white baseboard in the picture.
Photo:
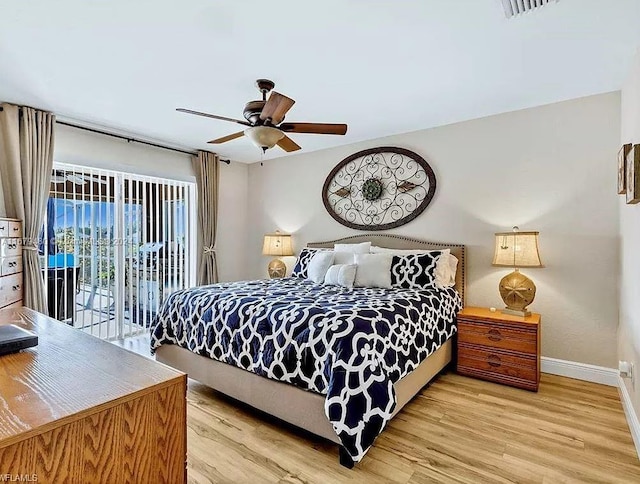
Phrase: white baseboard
(632, 417)
(580, 371)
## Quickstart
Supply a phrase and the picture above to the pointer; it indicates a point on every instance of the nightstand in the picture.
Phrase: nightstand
(499, 347)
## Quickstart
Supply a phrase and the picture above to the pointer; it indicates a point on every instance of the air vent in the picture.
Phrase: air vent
(518, 7)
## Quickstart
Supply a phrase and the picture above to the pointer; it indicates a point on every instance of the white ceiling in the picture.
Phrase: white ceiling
(383, 67)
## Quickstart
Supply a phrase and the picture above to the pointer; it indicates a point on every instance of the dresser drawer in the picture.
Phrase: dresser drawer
(15, 230)
(4, 228)
(495, 335)
(10, 289)
(514, 366)
(10, 247)
(10, 265)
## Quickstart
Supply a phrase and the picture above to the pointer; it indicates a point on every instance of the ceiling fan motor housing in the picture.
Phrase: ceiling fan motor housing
(252, 111)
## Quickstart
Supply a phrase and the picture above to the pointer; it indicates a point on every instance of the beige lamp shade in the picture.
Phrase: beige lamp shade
(277, 245)
(517, 249)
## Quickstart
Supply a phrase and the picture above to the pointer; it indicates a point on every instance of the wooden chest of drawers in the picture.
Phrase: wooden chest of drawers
(10, 263)
(499, 347)
(76, 409)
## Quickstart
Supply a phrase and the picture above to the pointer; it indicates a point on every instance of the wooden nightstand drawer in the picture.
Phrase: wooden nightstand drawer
(514, 366)
(499, 347)
(497, 336)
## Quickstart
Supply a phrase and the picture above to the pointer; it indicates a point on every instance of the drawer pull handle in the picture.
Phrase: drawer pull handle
(494, 335)
(15, 229)
(2, 228)
(12, 264)
(16, 287)
(494, 361)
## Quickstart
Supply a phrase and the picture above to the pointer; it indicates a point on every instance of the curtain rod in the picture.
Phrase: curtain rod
(129, 139)
(133, 140)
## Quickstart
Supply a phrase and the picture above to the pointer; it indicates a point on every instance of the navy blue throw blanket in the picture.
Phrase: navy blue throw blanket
(348, 344)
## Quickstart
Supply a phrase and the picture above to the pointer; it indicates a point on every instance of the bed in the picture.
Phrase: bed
(337, 363)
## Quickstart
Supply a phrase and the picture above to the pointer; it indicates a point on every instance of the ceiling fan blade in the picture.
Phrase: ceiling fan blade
(76, 179)
(276, 108)
(224, 139)
(288, 144)
(95, 179)
(213, 116)
(314, 128)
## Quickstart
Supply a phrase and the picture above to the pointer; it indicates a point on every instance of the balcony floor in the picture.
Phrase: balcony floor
(99, 319)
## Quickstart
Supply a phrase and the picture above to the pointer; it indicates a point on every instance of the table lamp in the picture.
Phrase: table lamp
(517, 249)
(278, 245)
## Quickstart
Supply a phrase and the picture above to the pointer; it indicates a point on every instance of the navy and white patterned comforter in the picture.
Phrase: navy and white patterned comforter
(348, 344)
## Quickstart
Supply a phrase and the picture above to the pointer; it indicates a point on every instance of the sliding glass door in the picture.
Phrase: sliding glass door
(114, 246)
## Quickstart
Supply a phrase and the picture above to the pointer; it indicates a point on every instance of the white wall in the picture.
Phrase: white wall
(629, 328)
(549, 168)
(232, 222)
(3, 210)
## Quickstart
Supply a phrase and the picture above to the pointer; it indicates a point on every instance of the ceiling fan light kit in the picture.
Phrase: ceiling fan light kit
(264, 118)
(264, 137)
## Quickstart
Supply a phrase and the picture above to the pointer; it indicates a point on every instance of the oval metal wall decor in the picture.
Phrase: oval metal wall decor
(379, 188)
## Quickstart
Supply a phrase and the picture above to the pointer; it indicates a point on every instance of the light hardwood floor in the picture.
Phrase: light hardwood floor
(457, 430)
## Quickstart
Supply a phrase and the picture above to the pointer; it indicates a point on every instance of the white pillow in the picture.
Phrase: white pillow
(341, 275)
(374, 270)
(363, 248)
(445, 267)
(453, 268)
(319, 265)
(384, 250)
(343, 258)
(344, 252)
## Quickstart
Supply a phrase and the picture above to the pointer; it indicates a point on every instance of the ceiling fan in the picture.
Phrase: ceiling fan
(264, 121)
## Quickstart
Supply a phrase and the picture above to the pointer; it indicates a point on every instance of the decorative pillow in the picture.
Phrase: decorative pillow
(344, 252)
(374, 270)
(319, 265)
(415, 271)
(445, 268)
(446, 271)
(341, 275)
(385, 250)
(302, 263)
(344, 258)
(363, 248)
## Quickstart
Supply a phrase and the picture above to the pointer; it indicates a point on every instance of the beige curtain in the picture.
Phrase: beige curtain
(26, 161)
(207, 168)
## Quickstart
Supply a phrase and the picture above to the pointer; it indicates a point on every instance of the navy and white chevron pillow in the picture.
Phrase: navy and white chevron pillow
(414, 271)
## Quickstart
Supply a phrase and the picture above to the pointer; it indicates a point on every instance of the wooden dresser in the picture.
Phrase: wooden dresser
(10, 263)
(79, 409)
(499, 347)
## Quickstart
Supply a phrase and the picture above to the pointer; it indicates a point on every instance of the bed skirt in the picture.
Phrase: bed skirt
(299, 407)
